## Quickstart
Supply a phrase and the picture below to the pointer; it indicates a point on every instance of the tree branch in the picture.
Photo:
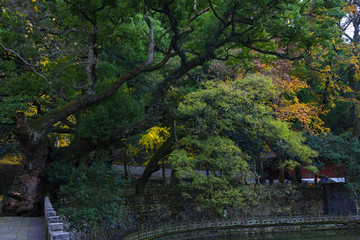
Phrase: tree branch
(177, 35)
(152, 165)
(150, 53)
(48, 120)
(68, 123)
(31, 66)
(90, 70)
(216, 15)
(285, 56)
(64, 130)
(197, 14)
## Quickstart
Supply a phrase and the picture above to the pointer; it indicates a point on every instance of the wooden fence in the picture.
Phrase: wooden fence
(188, 227)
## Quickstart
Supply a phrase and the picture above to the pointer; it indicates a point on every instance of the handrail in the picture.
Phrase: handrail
(187, 227)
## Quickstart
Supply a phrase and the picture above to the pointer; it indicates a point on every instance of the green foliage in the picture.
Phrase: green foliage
(77, 54)
(342, 150)
(241, 106)
(7, 143)
(272, 199)
(289, 142)
(89, 195)
(227, 168)
(219, 117)
(102, 121)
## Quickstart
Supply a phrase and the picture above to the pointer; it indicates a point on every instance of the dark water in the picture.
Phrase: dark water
(316, 235)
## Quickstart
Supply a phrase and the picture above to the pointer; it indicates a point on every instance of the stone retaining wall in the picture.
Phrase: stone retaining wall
(54, 226)
(185, 230)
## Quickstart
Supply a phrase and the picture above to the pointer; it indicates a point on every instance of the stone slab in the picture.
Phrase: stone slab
(56, 226)
(22, 228)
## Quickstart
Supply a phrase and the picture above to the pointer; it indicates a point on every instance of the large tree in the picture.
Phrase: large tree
(221, 126)
(332, 71)
(66, 64)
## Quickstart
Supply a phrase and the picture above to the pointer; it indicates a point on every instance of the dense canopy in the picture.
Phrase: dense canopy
(193, 85)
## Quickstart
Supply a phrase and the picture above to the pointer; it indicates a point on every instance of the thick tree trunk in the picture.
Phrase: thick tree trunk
(281, 172)
(163, 172)
(298, 174)
(25, 197)
(173, 179)
(153, 165)
(260, 170)
(356, 131)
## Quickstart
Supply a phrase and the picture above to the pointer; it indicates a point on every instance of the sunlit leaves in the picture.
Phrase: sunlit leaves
(154, 137)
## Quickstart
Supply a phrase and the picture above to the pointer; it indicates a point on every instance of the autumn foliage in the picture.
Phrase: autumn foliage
(287, 106)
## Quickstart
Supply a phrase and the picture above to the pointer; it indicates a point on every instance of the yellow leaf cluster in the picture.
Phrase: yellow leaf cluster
(306, 113)
(350, 8)
(155, 137)
(45, 61)
(228, 79)
(63, 140)
(11, 159)
(31, 111)
(290, 86)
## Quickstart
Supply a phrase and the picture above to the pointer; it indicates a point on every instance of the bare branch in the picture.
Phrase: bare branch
(193, 52)
(157, 47)
(281, 55)
(90, 70)
(347, 35)
(197, 14)
(195, 7)
(61, 70)
(17, 55)
(150, 53)
(82, 12)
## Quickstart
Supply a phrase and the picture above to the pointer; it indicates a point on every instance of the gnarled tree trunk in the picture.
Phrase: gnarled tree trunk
(25, 197)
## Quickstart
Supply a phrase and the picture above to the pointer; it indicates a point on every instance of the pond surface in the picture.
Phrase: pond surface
(314, 235)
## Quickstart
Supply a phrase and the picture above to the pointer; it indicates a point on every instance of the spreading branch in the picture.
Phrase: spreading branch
(87, 100)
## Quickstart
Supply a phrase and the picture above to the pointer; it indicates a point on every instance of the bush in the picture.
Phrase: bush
(87, 195)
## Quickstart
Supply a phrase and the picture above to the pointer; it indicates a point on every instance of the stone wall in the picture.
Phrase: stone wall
(338, 199)
(245, 226)
(312, 201)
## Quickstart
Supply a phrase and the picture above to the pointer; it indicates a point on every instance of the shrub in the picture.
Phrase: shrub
(87, 195)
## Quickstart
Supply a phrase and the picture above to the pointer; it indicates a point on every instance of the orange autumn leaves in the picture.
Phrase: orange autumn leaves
(307, 114)
(287, 106)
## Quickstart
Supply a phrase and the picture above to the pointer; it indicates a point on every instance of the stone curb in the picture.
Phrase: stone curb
(53, 224)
